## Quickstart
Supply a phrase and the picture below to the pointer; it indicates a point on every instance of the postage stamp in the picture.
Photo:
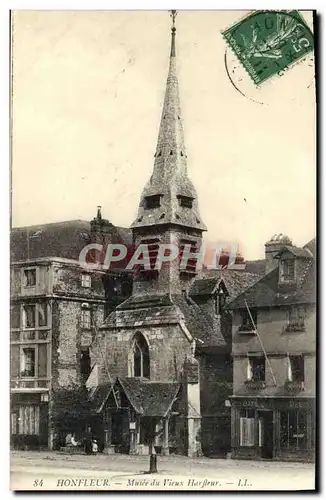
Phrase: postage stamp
(267, 42)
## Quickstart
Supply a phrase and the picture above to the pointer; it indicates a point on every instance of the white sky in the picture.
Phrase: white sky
(88, 89)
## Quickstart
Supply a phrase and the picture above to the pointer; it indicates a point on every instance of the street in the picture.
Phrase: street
(46, 471)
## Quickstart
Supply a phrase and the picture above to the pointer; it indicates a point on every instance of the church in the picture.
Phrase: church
(163, 368)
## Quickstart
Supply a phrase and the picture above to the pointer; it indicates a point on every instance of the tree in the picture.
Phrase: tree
(71, 409)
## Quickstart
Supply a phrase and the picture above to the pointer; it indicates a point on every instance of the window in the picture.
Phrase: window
(247, 428)
(42, 315)
(140, 357)
(287, 270)
(293, 430)
(29, 420)
(85, 364)
(185, 201)
(29, 277)
(256, 369)
(153, 201)
(29, 316)
(86, 318)
(15, 316)
(28, 362)
(296, 369)
(220, 300)
(86, 281)
(296, 319)
(248, 321)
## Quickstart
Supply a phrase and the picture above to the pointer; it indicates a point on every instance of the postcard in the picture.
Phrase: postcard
(163, 250)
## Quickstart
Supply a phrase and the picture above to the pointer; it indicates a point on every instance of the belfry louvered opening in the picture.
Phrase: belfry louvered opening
(185, 201)
(146, 270)
(153, 201)
(188, 256)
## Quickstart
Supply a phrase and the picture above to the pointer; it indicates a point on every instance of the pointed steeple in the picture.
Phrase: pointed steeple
(170, 197)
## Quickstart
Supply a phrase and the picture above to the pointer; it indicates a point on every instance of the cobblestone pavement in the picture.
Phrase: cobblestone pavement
(59, 471)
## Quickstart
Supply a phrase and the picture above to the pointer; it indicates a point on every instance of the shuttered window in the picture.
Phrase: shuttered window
(42, 360)
(14, 420)
(29, 420)
(15, 316)
(14, 360)
(29, 316)
(42, 314)
(247, 428)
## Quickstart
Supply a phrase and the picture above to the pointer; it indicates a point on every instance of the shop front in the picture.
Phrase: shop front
(273, 428)
(29, 420)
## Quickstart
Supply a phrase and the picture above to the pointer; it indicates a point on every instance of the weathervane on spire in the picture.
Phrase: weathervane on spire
(173, 14)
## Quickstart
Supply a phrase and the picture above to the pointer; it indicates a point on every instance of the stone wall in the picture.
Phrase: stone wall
(168, 347)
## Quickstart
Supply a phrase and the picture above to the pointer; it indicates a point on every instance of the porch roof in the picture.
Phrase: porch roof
(148, 399)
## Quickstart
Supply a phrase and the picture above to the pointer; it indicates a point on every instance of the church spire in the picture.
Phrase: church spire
(170, 197)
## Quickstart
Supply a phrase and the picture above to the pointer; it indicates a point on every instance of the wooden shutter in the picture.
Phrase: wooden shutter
(14, 361)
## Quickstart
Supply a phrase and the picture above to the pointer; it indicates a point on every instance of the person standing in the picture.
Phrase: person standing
(88, 441)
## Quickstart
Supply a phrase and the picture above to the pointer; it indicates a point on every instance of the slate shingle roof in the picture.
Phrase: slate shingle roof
(268, 292)
(58, 239)
(297, 251)
(99, 396)
(311, 245)
(203, 286)
(140, 301)
(235, 282)
(199, 323)
(164, 309)
(150, 399)
(255, 266)
(140, 310)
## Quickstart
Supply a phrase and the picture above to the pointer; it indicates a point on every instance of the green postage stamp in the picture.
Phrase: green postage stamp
(266, 42)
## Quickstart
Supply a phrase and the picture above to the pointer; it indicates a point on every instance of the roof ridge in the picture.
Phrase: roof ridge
(42, 224)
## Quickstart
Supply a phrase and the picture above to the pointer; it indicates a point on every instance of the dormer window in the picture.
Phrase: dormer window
(153, 201)
(185, 201)
(287, 270)
(220, 299)
(248, 321)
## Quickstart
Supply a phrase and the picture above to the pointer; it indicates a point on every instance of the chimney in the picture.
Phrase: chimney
(272, 247)
(103, 233)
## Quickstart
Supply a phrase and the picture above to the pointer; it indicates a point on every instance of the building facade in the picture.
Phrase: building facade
(274, 358)
(55, 304)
